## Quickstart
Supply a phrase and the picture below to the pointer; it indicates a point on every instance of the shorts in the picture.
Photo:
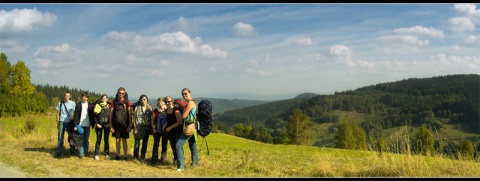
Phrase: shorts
(120, 132)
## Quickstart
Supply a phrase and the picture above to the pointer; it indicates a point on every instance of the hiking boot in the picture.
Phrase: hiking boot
(58, 155)
(117, 157)
(81, 156)
(97, 157)
(125, 158)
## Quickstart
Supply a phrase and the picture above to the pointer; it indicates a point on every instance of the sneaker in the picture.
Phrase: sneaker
(108, 157)
(97, 157)
(179, 170)
(81, 156)
(57, 155)
(117, 157)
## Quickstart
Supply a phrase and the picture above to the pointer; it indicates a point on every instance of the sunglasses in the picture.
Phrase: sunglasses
(168, 101)
(121, 93)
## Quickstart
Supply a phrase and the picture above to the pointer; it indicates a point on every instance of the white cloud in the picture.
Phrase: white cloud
(303, 41)
(244, 29)
(340, 50)
(419, 30)
(12, 46)
(208, 51)
(169, 42)
(58, 56)
(24, 20)
(461, 24)
(472, 40)
(408, 39)
(469, 9)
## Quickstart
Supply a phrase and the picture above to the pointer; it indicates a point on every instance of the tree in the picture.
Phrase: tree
(466, 149)
(5, 73)
(298, 128)
(423, 142)
(21, 80)
(344, 136)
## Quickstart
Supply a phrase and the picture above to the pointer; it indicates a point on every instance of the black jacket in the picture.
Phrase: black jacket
(78, 113)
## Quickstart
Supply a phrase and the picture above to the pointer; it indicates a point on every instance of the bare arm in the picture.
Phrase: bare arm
(189, 107)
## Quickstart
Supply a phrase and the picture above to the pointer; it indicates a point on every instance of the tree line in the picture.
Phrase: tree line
(20, 97)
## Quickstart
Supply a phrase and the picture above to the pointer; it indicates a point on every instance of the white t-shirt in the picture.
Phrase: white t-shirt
(84, 120)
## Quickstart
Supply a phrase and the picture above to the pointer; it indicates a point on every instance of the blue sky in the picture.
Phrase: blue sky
(239, 51)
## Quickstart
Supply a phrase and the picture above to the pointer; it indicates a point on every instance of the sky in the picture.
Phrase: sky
(239, 51)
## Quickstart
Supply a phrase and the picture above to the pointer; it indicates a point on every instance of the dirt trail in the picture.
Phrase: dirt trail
(10, 172)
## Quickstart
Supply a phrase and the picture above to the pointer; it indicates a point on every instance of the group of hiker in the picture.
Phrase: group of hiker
(120, 117)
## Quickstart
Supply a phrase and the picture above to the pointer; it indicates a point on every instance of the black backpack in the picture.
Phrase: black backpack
(204, 117)
(102, 117)
(120, 111)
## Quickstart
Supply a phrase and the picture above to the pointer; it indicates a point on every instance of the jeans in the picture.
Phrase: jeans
(83, 150)
(193, 149)
(173, 137)
(106, 133)
(62, 128)
(156, 142)
(136, 147)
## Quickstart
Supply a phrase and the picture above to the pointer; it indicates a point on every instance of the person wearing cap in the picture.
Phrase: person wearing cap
(143, 115)
(84, 117)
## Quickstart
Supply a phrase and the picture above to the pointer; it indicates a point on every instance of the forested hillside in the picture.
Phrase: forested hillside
(434, 102)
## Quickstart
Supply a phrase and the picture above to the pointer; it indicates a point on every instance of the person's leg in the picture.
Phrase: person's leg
(179, 149)
(98, 132)
(144, 146)
(164, 138)
(192, 143)
(156, 141)
(125, 148)
(61, 134)
(136, 146)
(86, 142)
(106, 148)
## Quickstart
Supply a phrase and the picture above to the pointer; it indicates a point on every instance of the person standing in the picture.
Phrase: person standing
(102, 112)
(173, 126)
(83, 115)
(143, 114)
(159, 133)
(120, 121)
(64, 116)
(188, 117)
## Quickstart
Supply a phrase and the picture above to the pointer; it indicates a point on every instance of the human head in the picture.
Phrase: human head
(84, 96)
(121, 93)
(186, 94)
(168, 101)
(143, 99)
(66, 95)
(160, 103)
(104, 97)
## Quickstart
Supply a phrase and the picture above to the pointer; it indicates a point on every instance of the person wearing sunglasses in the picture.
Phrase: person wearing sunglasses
(173, 127)
(188, 116)
(120, 121)
(159, 132)
(143, 115)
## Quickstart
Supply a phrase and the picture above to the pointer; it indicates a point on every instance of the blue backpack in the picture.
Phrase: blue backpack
(161, 120)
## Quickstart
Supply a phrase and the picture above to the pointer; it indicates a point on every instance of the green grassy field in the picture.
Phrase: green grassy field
(229, 156)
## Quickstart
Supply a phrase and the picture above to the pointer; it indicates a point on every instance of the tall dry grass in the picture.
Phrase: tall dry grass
(229, 156)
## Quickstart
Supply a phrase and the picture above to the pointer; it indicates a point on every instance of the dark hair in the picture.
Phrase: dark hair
(85, 94)
(142, 96)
